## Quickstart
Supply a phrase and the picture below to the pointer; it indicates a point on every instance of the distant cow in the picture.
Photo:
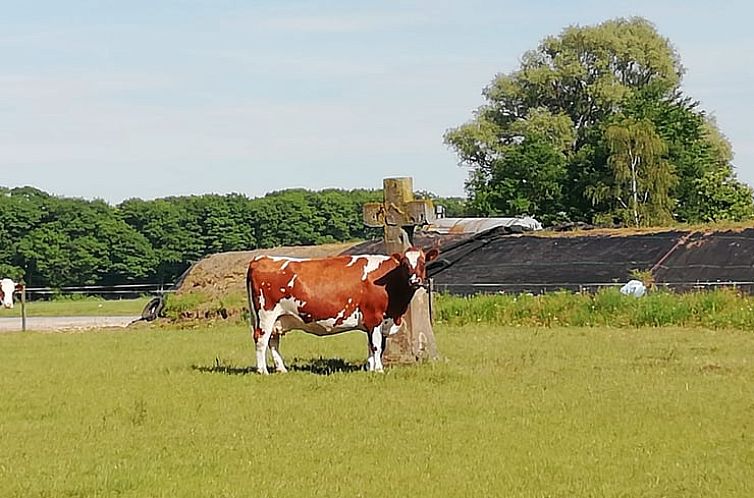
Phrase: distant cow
(332, 295)
(7, 288)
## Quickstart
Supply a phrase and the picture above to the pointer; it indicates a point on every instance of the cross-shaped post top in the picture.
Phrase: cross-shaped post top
(399, 208)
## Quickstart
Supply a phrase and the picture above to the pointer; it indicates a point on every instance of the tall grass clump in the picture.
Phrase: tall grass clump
(723, 308)
(661, 309)
(202, 305)
(184, 305)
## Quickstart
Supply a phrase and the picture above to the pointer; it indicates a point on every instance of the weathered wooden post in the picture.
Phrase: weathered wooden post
(398, 215)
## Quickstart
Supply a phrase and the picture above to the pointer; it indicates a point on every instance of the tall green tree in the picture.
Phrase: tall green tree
(20, 212)
(642, 178)
(168, 229)
(568, 93)
(721, 197)
(78, 242)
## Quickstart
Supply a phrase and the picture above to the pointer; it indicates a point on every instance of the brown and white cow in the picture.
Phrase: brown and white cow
(7, 288)
(332, 295)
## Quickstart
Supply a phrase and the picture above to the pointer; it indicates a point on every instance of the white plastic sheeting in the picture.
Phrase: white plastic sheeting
(477, 225)
(634, 288)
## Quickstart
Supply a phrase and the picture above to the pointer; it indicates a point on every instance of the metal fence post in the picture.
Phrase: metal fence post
(431, 297)
(23, 308)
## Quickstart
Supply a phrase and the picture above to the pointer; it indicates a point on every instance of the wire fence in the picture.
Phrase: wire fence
(105, 291)
(541, 288)
(23, 295)
(139, 290)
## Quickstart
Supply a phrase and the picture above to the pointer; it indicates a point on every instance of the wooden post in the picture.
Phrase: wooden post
(398, 215)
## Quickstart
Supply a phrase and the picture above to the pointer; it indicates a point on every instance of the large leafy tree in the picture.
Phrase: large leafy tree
(20, 212)
(77, 242)
(169, 230)
(572, 93)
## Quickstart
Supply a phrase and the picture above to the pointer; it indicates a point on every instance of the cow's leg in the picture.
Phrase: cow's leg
(262, 339)
(375, 350)
(275, 350)
(370, 358)
(262, 336)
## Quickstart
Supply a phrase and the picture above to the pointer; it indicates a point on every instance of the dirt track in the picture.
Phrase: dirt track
(65, 323)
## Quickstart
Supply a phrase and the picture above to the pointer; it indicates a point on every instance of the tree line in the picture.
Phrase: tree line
(56, 241)
(594, 127)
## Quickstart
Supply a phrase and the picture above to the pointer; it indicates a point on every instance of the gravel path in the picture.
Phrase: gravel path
(61, 323)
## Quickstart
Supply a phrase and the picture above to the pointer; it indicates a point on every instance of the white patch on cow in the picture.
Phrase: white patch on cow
(261, 299)
(350, 300)
(413, 258)
(389, 327)
(329, 323)
(285, 306)
(341, 321)
(293, 280)
(286, 260)
(373, 262)
(8, 286)
(282, 289)
(286, 315)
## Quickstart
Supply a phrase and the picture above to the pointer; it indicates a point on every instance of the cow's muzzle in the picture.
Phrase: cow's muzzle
(418, 283)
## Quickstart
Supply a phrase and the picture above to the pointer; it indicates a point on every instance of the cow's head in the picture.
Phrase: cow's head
(7, 287)
(414, 263)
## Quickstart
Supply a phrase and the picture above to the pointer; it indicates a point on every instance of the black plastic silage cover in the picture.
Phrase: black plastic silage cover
(528, 263)
(500, 260)
(716, 257)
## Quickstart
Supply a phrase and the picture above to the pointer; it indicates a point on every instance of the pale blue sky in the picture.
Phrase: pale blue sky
(119, 99)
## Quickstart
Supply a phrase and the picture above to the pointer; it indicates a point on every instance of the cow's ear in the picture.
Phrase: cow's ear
(431, 255)
(397, 256)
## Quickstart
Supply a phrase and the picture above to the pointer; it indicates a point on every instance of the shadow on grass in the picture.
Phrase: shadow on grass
(317, 366)
(324, 366)
(219, 368)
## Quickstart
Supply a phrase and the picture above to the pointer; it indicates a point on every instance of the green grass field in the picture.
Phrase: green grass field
(509, 412)
(79, 307)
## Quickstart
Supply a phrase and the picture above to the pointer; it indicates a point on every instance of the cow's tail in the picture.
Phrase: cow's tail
(253, 312)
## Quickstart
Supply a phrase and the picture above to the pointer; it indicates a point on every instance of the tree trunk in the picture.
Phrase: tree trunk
(634, 187)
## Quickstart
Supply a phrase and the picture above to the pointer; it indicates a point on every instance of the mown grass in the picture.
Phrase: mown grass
(508, 412)
(606, 308)
(89, 306)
